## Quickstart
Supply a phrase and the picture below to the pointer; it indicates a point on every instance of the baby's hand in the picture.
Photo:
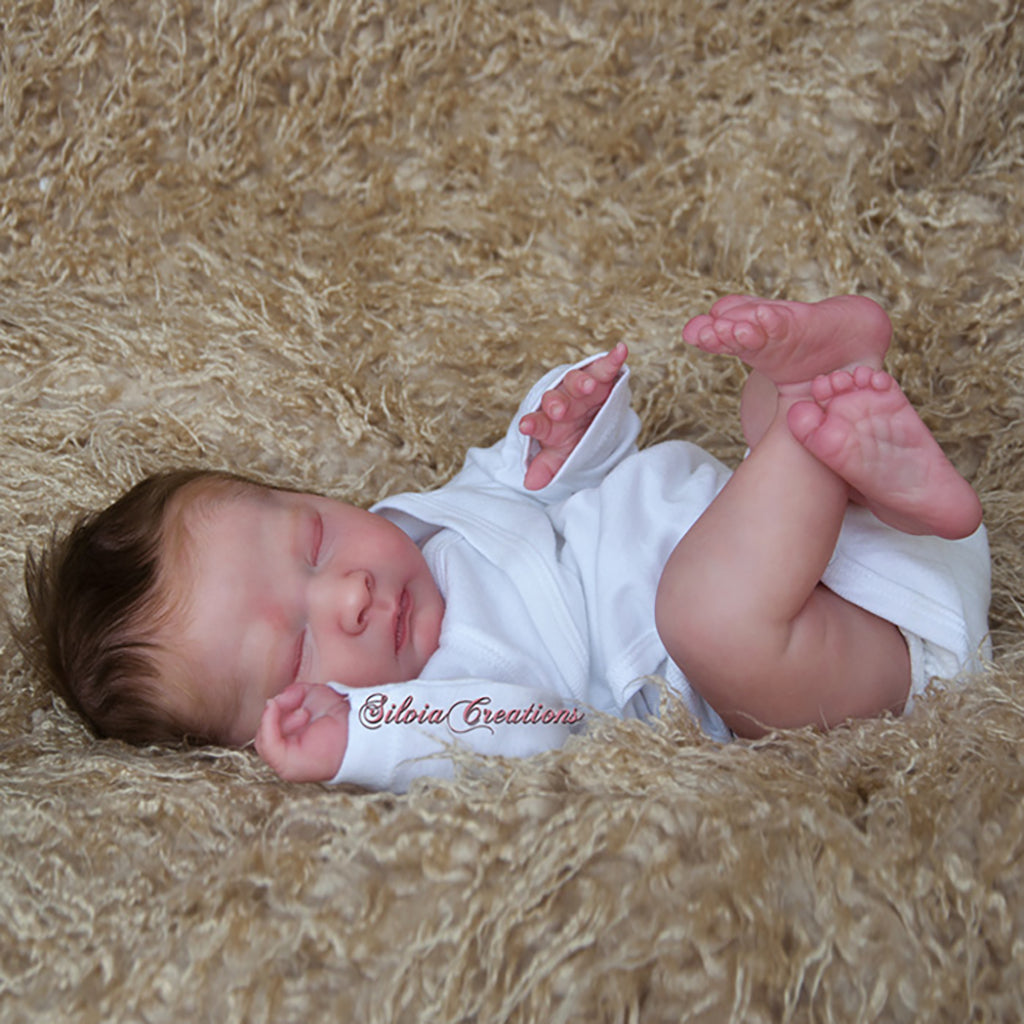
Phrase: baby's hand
(565, 413)
(304, 732)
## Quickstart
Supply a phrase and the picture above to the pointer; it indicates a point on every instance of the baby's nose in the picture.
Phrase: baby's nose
(350, 600)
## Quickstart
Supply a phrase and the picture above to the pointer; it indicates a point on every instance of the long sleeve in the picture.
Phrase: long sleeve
(403, 730)
(610, 437)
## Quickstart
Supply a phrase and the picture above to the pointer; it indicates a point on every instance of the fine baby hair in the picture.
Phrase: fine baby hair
(97, 597)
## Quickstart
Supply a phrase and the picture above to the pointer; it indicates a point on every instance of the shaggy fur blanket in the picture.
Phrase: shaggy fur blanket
(330, 245)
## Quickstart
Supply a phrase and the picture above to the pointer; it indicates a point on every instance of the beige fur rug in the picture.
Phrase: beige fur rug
(330, 244)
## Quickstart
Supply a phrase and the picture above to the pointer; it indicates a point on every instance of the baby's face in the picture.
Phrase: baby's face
(282, 587)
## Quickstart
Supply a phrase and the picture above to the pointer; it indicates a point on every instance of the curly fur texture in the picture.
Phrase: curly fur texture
(330, 245)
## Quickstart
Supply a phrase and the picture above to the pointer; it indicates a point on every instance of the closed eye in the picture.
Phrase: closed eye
(299, 656)
(317, 539)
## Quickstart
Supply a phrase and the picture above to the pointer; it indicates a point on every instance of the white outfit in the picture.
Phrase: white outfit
(549, 596)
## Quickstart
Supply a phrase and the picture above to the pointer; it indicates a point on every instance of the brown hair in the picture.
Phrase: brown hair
(96, 600)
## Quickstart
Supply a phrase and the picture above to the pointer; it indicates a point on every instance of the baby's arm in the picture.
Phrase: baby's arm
(303, 733)
(565, 413)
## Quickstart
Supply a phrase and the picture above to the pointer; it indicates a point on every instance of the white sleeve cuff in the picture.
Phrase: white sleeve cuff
(400, 731)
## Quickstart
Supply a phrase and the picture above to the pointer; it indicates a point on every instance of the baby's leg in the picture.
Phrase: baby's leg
(861, 425)
(859, 422)
(758, 405)
(740, 608)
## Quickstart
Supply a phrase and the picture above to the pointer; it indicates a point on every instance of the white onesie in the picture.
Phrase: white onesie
(549, 597)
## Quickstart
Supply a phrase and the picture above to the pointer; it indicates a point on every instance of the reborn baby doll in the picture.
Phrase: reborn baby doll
(831, 575)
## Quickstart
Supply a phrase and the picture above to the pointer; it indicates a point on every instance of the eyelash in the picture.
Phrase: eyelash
(318, 539)
(314, 557)
(300, 650)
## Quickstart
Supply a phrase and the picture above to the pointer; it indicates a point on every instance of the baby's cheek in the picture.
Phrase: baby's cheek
(270, 614)
(245, 725)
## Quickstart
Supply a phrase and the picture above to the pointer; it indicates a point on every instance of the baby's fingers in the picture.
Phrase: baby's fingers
(293, 723)
(283, 716)
(584, 390)
(586, 384)
(607, 367)
(558, 402)
(542, 470)
(577, 383)
(298, 748)
(537, 425)
(292, 696)
(269, 738)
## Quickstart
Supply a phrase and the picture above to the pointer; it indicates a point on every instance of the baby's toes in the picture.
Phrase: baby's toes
(727, 302)
(804, 420)
(877, 380)
(747, 335)
(694, 328)
(773, 320)
(726, 336)
(826, 386)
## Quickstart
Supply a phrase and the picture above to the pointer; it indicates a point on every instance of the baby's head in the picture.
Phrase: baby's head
(183, 607)
(102, 598)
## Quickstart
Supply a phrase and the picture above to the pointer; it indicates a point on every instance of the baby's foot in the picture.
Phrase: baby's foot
(793, 342)
(862, 427)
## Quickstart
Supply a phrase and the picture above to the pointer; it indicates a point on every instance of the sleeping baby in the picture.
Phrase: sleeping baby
(836, 571)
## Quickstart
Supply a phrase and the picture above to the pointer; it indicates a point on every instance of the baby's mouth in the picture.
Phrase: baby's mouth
(401, 621)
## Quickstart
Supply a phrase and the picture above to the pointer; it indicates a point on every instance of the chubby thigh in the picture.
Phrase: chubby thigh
(620, 536)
